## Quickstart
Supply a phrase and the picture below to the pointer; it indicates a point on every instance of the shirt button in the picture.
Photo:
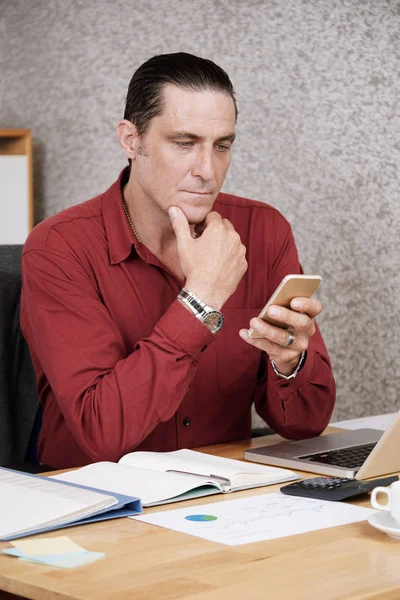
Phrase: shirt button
(186, 422)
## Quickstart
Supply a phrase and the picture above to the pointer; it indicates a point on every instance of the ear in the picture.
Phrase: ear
(128, 138)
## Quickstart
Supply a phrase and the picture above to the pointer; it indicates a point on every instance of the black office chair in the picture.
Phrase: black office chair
(20, 413)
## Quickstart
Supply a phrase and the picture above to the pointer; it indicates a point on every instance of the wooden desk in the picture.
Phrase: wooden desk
(144, 562)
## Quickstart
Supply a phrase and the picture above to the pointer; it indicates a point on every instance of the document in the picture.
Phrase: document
(163, 477)
(258, 518)
(31, 504)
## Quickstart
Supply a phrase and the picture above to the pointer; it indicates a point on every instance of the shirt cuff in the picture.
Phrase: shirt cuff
(183, 328)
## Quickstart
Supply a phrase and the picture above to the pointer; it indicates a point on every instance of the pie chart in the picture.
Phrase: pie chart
(201, 518)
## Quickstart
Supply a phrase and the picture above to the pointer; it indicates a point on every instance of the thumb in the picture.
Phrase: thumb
(179, 222)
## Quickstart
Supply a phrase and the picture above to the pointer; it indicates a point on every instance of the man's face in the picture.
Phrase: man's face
(185, 154)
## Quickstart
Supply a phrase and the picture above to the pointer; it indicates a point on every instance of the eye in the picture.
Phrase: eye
(223, 148)
(184, 144)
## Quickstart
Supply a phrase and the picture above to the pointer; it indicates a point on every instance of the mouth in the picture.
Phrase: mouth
(200, 193)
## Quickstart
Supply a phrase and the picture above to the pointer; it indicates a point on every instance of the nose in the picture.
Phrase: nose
(204, 164)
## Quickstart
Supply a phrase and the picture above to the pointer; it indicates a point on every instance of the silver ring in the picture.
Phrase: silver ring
(289, 341)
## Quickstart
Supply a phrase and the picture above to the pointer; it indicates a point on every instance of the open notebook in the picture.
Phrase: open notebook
(163, 477)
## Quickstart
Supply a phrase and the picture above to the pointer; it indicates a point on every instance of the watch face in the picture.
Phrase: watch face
(214, 321)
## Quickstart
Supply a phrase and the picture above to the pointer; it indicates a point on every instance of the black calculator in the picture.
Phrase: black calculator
(334, 488)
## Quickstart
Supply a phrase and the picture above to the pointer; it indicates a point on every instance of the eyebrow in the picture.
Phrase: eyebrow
(180, 135)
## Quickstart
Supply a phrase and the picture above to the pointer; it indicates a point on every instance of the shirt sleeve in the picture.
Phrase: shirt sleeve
(110, 400)
(301, 407)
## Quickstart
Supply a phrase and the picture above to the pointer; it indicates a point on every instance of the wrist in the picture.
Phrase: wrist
(294, 371)
(286, 368)
(210, 317)
(208, 295)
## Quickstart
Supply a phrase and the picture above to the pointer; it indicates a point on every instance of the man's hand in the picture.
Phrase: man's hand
(215, 262)
(300, 321)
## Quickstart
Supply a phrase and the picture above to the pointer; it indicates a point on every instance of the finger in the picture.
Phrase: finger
(290, 318)
(260, 343)
(276, 335)
(275, 350)
(228, 224)
(180, 224)
(213, 217)
(310, 306)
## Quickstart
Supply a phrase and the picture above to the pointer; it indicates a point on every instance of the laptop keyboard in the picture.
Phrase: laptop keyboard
(350, 458)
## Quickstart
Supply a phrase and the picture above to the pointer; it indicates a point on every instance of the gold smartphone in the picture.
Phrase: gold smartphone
(291, 286)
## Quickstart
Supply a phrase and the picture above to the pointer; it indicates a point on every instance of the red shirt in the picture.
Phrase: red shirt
(122, 365)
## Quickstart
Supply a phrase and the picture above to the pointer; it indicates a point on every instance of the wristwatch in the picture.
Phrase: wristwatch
(213, 319)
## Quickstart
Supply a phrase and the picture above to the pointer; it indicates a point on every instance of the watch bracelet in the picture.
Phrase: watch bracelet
(201, 310)
(196, 307)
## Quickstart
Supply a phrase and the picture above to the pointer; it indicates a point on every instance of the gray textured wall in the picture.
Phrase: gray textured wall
(318, 89)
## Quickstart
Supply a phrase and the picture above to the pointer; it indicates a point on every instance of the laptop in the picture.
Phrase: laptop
(359, 454)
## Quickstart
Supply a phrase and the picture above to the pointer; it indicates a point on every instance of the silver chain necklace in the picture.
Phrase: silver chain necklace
(127, 215)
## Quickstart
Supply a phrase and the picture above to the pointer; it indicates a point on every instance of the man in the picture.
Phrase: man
(136, 304)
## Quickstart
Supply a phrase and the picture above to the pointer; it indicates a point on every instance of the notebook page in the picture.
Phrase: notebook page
(148, 485)
(206, 464)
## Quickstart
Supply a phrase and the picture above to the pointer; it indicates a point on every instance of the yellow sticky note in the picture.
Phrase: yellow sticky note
(56, 545)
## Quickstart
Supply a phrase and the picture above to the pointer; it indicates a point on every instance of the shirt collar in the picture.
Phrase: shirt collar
(120, 236)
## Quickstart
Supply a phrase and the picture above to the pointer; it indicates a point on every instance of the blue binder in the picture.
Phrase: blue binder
(125, 507)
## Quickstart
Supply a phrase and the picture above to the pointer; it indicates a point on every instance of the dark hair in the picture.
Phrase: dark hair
(144, 100)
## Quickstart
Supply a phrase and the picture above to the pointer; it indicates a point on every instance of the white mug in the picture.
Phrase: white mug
(393, 500)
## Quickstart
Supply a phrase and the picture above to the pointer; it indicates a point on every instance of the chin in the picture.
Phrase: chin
(196, 211)
(196, 216)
